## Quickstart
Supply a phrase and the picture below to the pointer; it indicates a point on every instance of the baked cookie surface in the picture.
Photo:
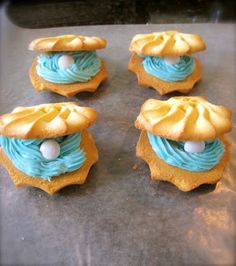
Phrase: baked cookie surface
(168, 43)
(46, 120)
(67, 43)
(184, 118)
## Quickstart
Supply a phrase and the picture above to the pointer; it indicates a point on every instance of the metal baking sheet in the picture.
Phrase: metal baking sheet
(119, 216)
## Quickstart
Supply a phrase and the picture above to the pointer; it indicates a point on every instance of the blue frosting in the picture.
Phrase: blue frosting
(156, 66)
(87, 65)
(26, 155)
(172, 152)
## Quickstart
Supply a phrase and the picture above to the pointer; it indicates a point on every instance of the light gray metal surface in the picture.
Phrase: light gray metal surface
(119, 216)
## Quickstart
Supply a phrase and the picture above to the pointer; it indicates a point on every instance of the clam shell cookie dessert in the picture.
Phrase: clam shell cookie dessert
(182, 140)
(164, 61)
(47, 146)
(68, 64)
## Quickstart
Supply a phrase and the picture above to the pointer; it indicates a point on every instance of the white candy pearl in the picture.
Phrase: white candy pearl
(50, 149)
(65, 61)
(194, 146)
(171, 60)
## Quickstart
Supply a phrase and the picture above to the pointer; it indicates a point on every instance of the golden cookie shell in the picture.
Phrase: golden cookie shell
(184, 118)
(67, 43)
(46, 120)
(168, 43)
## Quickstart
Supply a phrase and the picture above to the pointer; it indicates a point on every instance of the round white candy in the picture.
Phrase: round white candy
(65, 61)
(171, 60)
(50, 149)
(194, 146)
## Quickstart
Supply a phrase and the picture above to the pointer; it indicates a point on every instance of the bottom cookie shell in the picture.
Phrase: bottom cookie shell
(67, 90)
(77, 177)
(163, 87)
(184, 180)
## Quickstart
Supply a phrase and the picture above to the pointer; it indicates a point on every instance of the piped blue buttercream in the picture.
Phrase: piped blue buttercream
(86, 65)
(156, 66)
(26, 156)
(172, 152)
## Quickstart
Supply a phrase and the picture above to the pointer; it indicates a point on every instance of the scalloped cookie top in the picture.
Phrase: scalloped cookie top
(68, 43)
(168, 43)
(46, 120)
(184, 118)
